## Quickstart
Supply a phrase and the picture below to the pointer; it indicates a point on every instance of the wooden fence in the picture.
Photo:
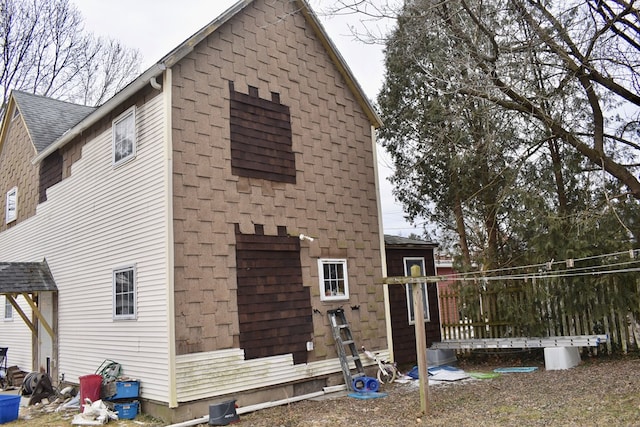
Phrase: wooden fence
(540, 308)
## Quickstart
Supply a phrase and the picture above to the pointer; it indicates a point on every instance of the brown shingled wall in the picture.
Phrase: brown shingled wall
(333, 198)
(274, 308)
(16, 170)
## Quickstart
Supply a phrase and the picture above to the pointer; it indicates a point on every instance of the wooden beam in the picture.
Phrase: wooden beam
(401, 280)
(39, 315)
(25, 319)
(417, 291)
(421, 339)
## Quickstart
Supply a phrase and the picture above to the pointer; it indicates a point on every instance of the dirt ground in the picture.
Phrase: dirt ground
(598, 392)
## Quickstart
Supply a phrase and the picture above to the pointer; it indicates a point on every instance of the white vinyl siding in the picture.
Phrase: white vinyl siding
(235, 374)
(16, 335)
(97, 219)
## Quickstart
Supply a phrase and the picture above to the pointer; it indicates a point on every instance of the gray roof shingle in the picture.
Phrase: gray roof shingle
(390, 240)
(47, 119)
(18, 277)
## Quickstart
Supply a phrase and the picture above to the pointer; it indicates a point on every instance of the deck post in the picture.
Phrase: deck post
(421, 339)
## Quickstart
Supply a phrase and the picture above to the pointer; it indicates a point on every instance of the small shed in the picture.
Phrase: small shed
(402, 253)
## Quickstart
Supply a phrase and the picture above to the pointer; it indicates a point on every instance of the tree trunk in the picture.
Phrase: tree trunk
(462, 232)
(558, 178)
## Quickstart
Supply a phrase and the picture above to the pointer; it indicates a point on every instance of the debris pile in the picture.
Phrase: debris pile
(94, 414)
(106, 384)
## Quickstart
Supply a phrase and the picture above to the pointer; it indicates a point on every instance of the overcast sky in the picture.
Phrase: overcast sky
(155, 27)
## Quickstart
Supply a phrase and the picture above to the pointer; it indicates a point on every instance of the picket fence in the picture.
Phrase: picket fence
(544, 308)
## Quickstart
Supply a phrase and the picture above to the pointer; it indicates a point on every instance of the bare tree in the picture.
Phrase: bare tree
(44, 49)
(577, 60)
(572, 67)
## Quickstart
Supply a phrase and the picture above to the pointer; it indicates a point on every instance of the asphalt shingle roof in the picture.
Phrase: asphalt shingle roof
(47, 119)
(390, 240)
(18, 277)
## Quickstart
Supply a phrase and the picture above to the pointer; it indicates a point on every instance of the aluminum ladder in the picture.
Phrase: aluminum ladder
(346, 347)
(522, 342)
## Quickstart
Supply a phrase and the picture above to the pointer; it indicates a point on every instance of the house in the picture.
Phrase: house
(197, 226)
(401, 254)
(450, 322)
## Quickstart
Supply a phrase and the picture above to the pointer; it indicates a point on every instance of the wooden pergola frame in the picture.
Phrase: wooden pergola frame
(34, 282)
(11, 297)
(416, 281)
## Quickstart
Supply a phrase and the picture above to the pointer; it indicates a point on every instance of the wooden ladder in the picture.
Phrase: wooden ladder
(344, 338)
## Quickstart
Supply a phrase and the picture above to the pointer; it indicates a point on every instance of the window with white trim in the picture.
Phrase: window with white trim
(334, 283)
(408, 263)
(124, 137)
(124, 293)
(11, 208)
(8, 309)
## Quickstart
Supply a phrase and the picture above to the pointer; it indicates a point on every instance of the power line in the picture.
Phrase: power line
(548, 265)
(543, 276)
(544, 270)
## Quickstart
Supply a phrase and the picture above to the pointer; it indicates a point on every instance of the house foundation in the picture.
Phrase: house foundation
(198, 409)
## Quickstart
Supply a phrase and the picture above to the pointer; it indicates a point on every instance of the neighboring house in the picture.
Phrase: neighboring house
(402, 253)
(163, 229)
(449, 313)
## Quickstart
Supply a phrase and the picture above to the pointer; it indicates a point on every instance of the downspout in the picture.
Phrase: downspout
(168, 187)
(154, 83)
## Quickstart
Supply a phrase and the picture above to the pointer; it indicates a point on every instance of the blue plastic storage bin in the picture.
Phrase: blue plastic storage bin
(126, 390)
(9, 407)
(126, 411)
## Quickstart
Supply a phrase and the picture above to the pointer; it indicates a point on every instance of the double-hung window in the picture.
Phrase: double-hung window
(124, 293)
(334, 284)
(124, 137)
(8, 309)
(11, 208)
(408, 263)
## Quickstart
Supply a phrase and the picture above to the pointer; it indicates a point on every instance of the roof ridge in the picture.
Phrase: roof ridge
(184, 48)
(50, 98)
(46, 118)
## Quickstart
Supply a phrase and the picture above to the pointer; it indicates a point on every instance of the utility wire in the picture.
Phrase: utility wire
(542, 276)
(548, 265)
(544, 270)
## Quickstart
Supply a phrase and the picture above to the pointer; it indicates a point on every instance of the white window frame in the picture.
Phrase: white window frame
(11, 206)
(8, 310)
(121, 123)
(133, 293)
(408, 262)
(326, 295)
